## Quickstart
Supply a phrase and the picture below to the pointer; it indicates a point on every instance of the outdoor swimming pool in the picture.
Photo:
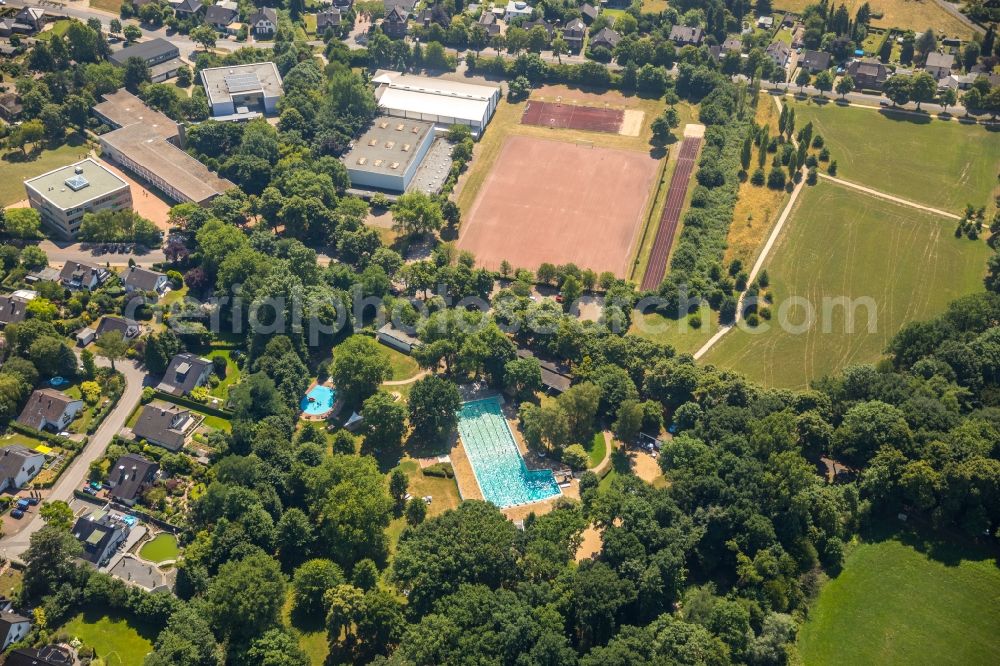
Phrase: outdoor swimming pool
(318, 401)
(503, 477)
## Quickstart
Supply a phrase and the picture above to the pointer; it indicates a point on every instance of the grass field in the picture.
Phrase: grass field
(895, 604)
(113, 6)
(941, 164)
(403, 366)
(679, 334)
(116, 641)
(444, 494)
(597, 450)
(161, 548)
(232, 373)
(840, 243)
(16, 168)
(916, 15)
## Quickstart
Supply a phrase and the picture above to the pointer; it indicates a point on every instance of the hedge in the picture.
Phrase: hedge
(193, 404)
(57, 440)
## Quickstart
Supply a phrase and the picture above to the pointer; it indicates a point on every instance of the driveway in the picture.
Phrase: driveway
(14, 546)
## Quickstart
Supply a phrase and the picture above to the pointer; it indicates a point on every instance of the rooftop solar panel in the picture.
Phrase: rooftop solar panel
(237, 83)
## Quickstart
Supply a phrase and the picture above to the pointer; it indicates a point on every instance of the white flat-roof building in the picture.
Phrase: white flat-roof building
(387, 156)
(238, 92)
(436, 100)
(64, 195)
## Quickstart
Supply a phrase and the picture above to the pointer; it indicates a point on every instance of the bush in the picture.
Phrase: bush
(753, 320)
(758, 178)
(575, 456)
(147, 395)
(440, 470)
(817, 141)
(776, 179)
(695, 321)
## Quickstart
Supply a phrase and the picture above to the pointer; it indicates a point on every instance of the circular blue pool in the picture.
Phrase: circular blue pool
(318, 401)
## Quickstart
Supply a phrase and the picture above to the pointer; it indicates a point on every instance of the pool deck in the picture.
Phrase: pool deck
(468, 486)
(338, 404)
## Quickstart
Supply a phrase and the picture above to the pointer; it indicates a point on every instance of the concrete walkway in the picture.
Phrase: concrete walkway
(889, 197)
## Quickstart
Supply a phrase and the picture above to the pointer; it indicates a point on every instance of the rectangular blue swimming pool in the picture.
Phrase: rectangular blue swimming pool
(503, 477)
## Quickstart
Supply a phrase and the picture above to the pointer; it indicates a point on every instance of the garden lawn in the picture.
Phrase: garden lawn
(443, 491)
(161, 548)
(933, 162)
(117, 641)
(894, 604)
(597, 449)
(403, 366)
(916, 15)
(842, 243)
(113, 6)
(678, 333)
(232, 374)
(17, 168)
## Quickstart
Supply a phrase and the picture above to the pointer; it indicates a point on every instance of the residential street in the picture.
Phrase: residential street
(60, 253)
(13, 546)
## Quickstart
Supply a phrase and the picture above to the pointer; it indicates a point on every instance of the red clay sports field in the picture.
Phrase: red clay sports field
(570, 116)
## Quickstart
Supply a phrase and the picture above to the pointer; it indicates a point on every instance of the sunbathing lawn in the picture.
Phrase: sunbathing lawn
(443, 491)
(117, 641)
(597, 449)
(161, 548)
(403, 366)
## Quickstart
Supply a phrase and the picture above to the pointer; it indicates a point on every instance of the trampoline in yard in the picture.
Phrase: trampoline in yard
(503, 477)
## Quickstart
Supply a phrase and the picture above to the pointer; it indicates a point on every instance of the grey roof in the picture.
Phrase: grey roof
(815, 59)
(400, 335)
(44, 406)
(388, 146)
(779, 49)
(182, 374)
(140, 278)
(96, 532)
(539, 23)
(221, 83)
(154, 49)
(77, 184)
(154, 425)
(685, 34)
(555, 376)
(732, 44)
(398, 14)
(7, 621)
(588, 10)
(129, 474)
(219, 15)
(605, 37)
(263, 14)
(78, 270)
(122, 108)
(945, 60)
(12, 310)
(129, 328)
(328, 18)
(188, 6)
(50, 655)
(407, 5)
(12, 459)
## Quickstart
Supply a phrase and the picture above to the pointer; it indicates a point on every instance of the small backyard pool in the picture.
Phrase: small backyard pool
(503, 477)
(318, 401)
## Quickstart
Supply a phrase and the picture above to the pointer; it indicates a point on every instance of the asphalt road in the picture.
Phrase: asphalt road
(60, 253)
(13, 546)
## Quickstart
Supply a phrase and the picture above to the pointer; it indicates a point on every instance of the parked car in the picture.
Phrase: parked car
(17, 513)
(23, 504)
(33, 501)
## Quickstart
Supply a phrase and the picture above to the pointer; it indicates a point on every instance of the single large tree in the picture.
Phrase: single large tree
(246, 596)
(417, 213)
(359, 366)
(112, 346)
(433, 405)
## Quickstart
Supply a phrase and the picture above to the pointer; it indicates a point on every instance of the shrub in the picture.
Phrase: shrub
(776, 179)
(753, 320)
(765, 313)
(817, 141)
(758, 178)
(695, 321)
(147, 395)
(441, 470)
(575, 456)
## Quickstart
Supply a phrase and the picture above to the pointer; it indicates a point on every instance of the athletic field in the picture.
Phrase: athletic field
(894, 261)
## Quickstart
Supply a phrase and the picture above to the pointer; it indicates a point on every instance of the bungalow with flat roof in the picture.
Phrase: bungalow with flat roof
(166, 425)
(683, 35)
(185, 373)
(80, 275)
(238, 91)
(49, 409)
(18, 466)
(136, 278)
(398, 339)
(130, 476)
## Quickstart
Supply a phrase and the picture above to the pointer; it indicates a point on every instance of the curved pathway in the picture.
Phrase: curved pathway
(404, 382)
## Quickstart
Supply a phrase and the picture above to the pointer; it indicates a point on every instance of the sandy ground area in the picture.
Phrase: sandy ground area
(632, 122)
(645, 466)
(604, 98)
(591, 543)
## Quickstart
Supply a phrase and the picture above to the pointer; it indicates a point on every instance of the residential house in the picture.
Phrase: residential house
(129, 328)
(142, 279)
(425, 17)
(939, 65)
(222, 15)
(616, 4)
(130, 477)
(573, 33)
(730, 45)
(343, 4)
(18, 466)
(765, 22)
(85, 336)
(79, 275)
(100, 534)
(49, 409)
(50, 655)
(185, 373)
(779, 53)
(328, 19)
(28, 21)
(396, 22)
(10, 106)
(605, 37)
(407, 5)
(868, 74)
(517, 8)
(263, 22)
(540, 23)
(682, 35)
(588, 13)
(165, 425)
(12, 310)
(489, 21)
(13, 628)
(815, 61)
(187, 8)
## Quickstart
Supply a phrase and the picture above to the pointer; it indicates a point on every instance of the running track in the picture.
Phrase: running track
(657, 266)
